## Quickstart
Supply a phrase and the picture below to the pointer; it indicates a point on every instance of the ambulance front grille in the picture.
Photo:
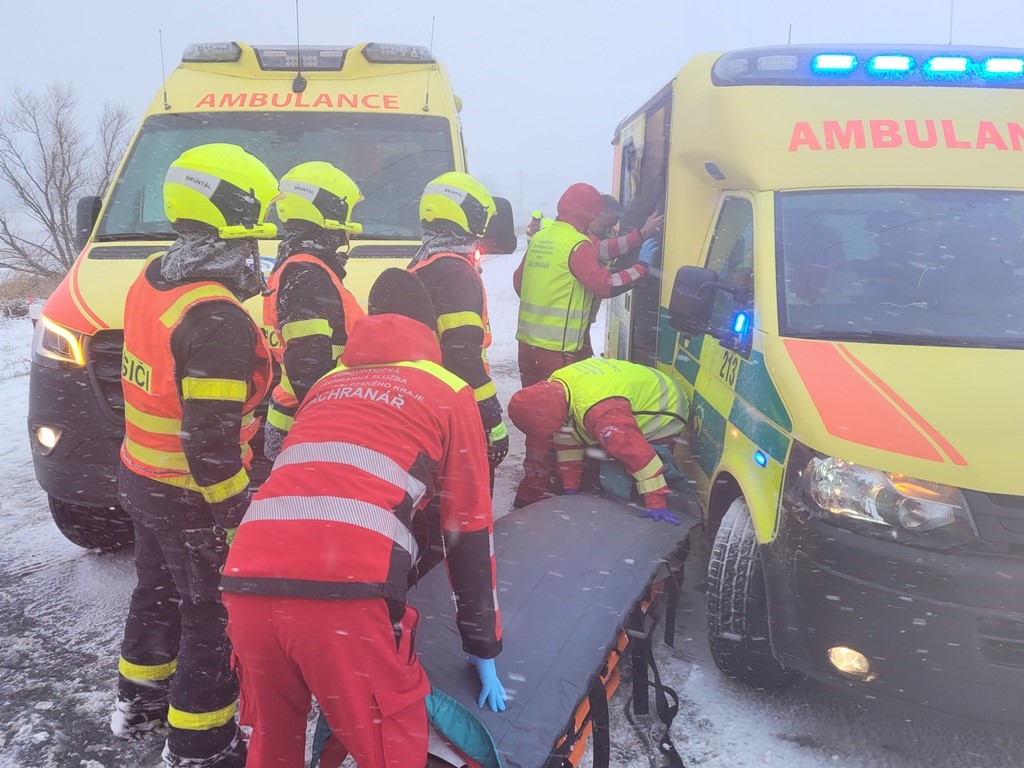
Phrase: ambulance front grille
(104, 361)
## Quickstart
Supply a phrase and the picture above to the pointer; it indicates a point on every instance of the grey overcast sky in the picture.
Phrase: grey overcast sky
(543, 82)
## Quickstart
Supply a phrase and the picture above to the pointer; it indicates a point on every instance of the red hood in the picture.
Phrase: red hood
(382, 339)
(579, 205)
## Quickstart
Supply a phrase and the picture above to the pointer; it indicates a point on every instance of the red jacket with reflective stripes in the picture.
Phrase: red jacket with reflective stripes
(372, 444)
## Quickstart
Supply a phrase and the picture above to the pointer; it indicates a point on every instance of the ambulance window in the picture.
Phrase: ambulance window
(391, 157)
(732, 255)
(905, 266)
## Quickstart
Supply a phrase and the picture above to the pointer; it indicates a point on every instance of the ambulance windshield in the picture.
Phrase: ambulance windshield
(929, 267)
(391, 157)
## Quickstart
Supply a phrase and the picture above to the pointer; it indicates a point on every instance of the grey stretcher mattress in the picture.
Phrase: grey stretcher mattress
(569, 571)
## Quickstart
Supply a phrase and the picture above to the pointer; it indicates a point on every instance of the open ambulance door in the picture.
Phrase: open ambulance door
(641, 167)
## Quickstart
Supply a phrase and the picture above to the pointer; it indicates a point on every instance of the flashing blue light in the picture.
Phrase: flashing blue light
(834, 62)
(740, 323)
(760, 459)
(890, 64)
(1004, 66)
(947, 65)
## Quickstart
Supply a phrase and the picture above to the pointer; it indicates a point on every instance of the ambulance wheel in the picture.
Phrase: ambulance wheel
(105, 528)
(737, 604)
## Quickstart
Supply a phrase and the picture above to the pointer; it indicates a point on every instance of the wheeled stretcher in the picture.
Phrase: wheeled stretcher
(577, 578)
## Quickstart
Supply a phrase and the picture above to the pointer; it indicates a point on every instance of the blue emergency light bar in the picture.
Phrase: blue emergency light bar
(863, 65)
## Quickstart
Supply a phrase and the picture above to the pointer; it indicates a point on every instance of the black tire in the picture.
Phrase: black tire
(737, 605)
(105, 528)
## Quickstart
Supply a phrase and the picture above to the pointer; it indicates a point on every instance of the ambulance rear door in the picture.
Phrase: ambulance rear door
(639, 183)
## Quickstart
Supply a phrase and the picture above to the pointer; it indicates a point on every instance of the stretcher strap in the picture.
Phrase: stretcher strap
(600, 724)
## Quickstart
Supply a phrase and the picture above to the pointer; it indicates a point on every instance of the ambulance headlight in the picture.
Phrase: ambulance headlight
(888, 505)
(55, 346)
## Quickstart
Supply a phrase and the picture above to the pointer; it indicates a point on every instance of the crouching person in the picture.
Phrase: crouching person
(316, 579)
(623, 407)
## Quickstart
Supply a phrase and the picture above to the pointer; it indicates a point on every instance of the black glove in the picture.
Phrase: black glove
(229, 513)
(497, 445)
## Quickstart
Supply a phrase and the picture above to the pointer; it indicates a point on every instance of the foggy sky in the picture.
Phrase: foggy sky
(543, 83)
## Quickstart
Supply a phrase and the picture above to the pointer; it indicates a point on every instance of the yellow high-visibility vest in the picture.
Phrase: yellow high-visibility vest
(554, 307)
(659, 405)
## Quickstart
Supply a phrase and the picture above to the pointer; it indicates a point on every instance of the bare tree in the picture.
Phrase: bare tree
(48, 160)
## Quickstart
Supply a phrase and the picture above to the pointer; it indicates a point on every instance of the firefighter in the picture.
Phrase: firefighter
(621, 406)
(310, 308)
(559, 281)
(316, 580)
(455, 210)
(194, 368)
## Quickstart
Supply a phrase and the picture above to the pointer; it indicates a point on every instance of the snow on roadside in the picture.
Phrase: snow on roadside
(15, 347)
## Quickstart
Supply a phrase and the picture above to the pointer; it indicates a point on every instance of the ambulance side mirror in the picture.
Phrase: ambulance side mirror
(86, 213)
(501, 231)
(693, 295)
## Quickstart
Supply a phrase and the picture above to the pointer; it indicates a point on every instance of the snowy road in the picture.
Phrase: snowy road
(61, 613)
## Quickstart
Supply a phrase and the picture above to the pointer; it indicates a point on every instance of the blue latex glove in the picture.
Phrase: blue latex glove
(571, 492)
(661, 516)
(492, 692)
(649, 251)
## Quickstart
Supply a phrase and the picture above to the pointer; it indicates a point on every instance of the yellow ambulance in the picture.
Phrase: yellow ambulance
(386, 114)
(842, 296)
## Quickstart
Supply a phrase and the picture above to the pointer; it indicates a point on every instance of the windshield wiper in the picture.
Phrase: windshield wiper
(895, 337)
(145, 236)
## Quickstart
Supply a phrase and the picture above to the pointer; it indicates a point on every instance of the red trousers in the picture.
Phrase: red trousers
(537, 364)
(362, 669)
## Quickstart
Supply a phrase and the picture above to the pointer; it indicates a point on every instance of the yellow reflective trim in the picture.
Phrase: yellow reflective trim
(435, 370)
(173, 314)
(485, 391)
(650, 470)
(162, 425)
(280, 420)
(160, 459)
(166, 460)
(159, 425)
(193, 388)
(286, 383)
(299, 329)
(201, 721)
(453, 320)
(225, 489)
(655, 484)
(145, 671)
(576, 454)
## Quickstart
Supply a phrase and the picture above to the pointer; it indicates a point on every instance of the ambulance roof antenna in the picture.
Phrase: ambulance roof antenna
(789, 40)
(426, 98)
(163, 69)
(951, 2)
(299, 83)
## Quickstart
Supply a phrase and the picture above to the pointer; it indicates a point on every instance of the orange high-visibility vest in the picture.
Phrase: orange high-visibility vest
(283, 402)
(152, 445)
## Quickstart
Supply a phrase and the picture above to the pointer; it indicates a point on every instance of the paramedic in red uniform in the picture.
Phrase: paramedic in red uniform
(316, 579)
(564, 275)
(194, 368)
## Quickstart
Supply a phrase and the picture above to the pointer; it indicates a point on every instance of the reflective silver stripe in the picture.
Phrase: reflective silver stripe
(617, 280)
(301, 189)
(446, 190)
(539, 309)
(369, 461)
(334, 509)
(203, 183)
(570, 334)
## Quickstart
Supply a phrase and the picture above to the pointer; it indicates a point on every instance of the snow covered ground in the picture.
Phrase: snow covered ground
(61, 613)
